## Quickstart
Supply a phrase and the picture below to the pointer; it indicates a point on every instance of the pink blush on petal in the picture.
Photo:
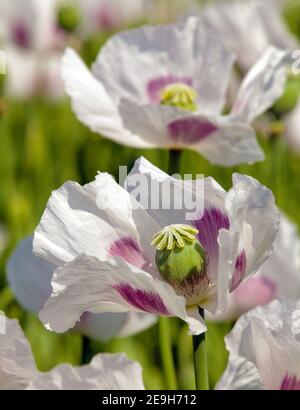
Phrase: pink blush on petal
(256, 291)
(128, 249)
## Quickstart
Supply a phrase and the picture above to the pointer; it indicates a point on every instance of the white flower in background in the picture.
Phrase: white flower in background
(32, 44)
(278, 277)
(101, 242)
(30, 278)
(264, 348)
(165, 86)
(233, 21)
(292, 127)
(28, 23)
(105, 15)
(18, 370)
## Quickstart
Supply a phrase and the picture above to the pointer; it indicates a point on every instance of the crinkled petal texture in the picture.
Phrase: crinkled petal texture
(16, 362)
(105, 372)
(233, 21)
(240, 374)
(269, 283)
(254, 222)
(262, 86)
(100, 236)
(285, 259)
(268, 338)
(18, 371)
(30, 278)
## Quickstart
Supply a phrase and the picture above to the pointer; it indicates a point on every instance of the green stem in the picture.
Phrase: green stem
(174, 161)
(86, 354)
(200, 360)
(166, 353)
(164, 324)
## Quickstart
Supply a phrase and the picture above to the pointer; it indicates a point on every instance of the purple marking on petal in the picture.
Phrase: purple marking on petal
(155, 85)
(144, 300)
(21, 34)
(128, 249)
(209, 224)
(290, 383)
(190, 130)
(239, 270)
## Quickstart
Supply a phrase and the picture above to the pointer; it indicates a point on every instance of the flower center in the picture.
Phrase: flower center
(179, 95)
(182, 262)
(174, 236)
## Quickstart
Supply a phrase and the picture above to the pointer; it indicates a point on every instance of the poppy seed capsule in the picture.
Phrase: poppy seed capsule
(179, 255)
(179, 95)
(68, 18)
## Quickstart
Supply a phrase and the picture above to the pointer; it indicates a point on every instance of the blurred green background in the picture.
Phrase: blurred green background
(41, 146)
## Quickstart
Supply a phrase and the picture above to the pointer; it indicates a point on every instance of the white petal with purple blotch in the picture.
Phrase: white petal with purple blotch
(268, 337)
(222, 140)
(87, 284)
(155, 56)
(95, 219)
(254, 222)
(30, 278)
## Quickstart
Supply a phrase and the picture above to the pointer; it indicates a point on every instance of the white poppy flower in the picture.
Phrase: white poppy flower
(28, 24)
(165, 86)
(234, 20)
(30, 278)
(18, 370)
(264, 349)
(101, 241)
(107, 15)
(270, 282)
(40, 73)
(32, 46)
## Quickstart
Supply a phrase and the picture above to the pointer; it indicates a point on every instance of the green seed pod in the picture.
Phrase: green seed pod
(68, 18)
(180, 264)
(179, 254)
